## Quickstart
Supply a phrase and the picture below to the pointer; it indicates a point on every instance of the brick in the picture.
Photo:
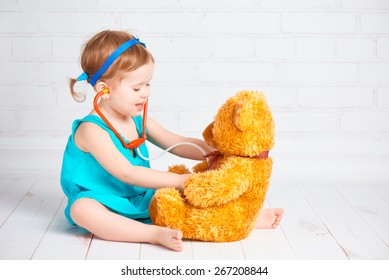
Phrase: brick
(364, 122)
(135, 4)
(194, 121)
(68, 47)
(375, 23)
(8, 121)
(219, 4)
(193, 97)
(317, 49)
(161, 48)
(242, 73)
(280, 97)
(383, 48)
(48, 4)
(57, 72)
(365, 4)
(19, 97)
(175, 73)
(135, 23)
(335, 97)
(355, 49)
(65, 100)
(185, 47)
(300, 122)
(19, 22)
(275, 49)
(320, 23)
(9, 5)
(240, 23)
(286, 4)
(383, 98)
(5, 47)
(169, 120)
(318, 73)
(224, 91)
(17, 72)
(174, 22)
(374, 73)
(32, 47)
(76, 23)
(232, 47)
(47, 121)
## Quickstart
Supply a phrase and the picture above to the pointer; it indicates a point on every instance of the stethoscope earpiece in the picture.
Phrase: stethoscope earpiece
(105, 90)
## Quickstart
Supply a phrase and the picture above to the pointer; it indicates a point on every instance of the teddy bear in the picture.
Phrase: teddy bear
(223, 197)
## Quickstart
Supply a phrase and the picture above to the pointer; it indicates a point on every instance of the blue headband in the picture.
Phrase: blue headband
(84, 76)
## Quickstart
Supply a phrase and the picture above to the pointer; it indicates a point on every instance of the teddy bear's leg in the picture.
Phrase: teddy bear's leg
(230, 222)
(167, 208)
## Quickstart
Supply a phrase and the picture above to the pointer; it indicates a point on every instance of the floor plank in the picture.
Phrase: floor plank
(12, 191)
(305, 232)
(267, 244)
(383, 192)
(156, 252)
(371, 207)
(350, 231)
(108, 250)
(70, 242)
(22, 231)
(217, 251)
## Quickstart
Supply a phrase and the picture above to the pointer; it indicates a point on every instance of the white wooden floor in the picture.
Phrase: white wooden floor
(322, 221)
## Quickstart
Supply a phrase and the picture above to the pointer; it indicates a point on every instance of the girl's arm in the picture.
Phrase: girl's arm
(91, 138)
(164, 138)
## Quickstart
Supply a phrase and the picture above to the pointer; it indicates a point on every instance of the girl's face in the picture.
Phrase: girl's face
(131, 94)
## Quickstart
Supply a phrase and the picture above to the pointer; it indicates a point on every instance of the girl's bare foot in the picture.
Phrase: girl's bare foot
(269, 218)
(170, 238)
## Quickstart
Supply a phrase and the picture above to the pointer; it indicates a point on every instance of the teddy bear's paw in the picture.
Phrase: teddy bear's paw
(200, 167)
(202, 199)
(179, 169)
(197, 195)
(167, 208)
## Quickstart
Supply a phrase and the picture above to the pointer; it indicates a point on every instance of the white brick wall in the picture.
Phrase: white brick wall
(323, 64)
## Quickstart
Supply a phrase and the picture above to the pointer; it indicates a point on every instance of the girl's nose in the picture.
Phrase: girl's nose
(145, 92)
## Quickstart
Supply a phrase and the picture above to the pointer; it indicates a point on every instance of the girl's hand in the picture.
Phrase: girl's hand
(183, 178)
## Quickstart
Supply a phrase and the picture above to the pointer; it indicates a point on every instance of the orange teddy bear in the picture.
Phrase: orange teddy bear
(221, 203)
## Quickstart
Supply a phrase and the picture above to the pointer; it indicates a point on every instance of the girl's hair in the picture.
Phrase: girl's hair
(99, 48)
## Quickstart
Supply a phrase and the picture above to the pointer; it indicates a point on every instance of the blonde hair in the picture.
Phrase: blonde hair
(99, 48)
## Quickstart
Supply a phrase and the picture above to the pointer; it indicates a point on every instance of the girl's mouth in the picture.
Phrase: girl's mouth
(140, 106)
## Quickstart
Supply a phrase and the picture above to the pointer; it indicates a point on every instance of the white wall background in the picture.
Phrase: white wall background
(323, 64)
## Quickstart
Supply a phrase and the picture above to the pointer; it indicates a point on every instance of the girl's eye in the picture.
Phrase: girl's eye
(138, 89)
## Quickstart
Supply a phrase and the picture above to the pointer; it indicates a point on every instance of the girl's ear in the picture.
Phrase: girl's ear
(100, 86)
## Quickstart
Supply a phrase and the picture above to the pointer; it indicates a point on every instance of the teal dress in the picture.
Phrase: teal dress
(83, 177)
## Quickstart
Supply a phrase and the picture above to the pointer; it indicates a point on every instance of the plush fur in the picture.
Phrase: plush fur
(222, 204)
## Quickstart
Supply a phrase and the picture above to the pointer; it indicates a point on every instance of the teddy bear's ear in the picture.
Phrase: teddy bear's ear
(208, 135)
(237, 117)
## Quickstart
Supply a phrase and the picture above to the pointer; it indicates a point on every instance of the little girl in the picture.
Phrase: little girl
(108, 185)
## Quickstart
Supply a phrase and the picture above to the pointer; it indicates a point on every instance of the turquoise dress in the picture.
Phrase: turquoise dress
(83, 177)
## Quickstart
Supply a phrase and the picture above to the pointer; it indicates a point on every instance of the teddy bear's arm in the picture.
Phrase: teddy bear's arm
(217, 187)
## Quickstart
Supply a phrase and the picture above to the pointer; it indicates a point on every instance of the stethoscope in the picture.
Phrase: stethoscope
(135, 144)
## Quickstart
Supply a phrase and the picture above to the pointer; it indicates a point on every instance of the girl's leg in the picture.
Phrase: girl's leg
(97, 219)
